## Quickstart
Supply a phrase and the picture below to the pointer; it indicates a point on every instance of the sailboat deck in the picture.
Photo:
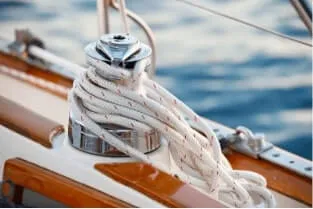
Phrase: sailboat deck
(56, 108)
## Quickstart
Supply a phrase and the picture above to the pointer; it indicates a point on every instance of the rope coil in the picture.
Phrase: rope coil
(140, 104)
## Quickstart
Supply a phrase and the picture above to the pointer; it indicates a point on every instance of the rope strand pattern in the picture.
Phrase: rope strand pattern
(139, 103)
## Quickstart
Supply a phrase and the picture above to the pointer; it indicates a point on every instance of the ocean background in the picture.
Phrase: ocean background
(225, 71)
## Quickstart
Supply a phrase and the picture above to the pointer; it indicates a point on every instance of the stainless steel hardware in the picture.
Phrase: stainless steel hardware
(255, 145)
(124, 51)
(84, 140)
(119, 50)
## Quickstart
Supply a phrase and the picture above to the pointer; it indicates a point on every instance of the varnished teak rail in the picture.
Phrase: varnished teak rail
(25, 122)
(54, 186)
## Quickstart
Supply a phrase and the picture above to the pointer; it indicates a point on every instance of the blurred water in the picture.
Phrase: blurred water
(225, 71)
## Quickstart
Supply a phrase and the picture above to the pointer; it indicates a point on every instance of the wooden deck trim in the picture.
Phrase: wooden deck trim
(27, 123)
(38, 77)
(54, 186)
(157, 185)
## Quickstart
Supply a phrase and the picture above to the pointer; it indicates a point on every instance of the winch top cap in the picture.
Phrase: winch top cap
(119, 39)
(118, 49)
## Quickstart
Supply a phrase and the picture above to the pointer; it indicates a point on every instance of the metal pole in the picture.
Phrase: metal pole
(103, 16)
(303, 12)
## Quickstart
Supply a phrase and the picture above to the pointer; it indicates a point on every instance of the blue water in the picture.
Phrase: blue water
(224, 71)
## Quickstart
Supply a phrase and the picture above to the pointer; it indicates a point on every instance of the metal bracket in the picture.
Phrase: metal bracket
(244, 141)
(288, 160)
(23, 40)
(243, 147)
(249, 143)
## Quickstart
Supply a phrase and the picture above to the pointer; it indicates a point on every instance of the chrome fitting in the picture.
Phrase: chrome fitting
(255, 145)
(124, 51)
(23, 40)
(84, 140)
(249, 143)
(119, 50)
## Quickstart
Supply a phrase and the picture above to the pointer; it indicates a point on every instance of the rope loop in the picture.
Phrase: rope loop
(140, 103)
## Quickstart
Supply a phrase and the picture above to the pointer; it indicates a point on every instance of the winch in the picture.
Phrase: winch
(121, 51)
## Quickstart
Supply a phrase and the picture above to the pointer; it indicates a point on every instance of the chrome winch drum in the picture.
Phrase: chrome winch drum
(120, 50)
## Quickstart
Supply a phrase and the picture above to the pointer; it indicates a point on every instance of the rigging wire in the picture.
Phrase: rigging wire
(207, 9)
(103, 16)
(303, 12)
(123, 15)
(147, 30)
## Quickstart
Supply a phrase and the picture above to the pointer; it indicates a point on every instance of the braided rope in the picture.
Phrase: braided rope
(141, 104)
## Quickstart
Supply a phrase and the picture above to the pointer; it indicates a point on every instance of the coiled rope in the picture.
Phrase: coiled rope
(139, 103)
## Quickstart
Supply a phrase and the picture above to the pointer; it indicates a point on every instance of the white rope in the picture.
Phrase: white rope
(103, 16)
(123, 15)
(141, 104)
(147, 30)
